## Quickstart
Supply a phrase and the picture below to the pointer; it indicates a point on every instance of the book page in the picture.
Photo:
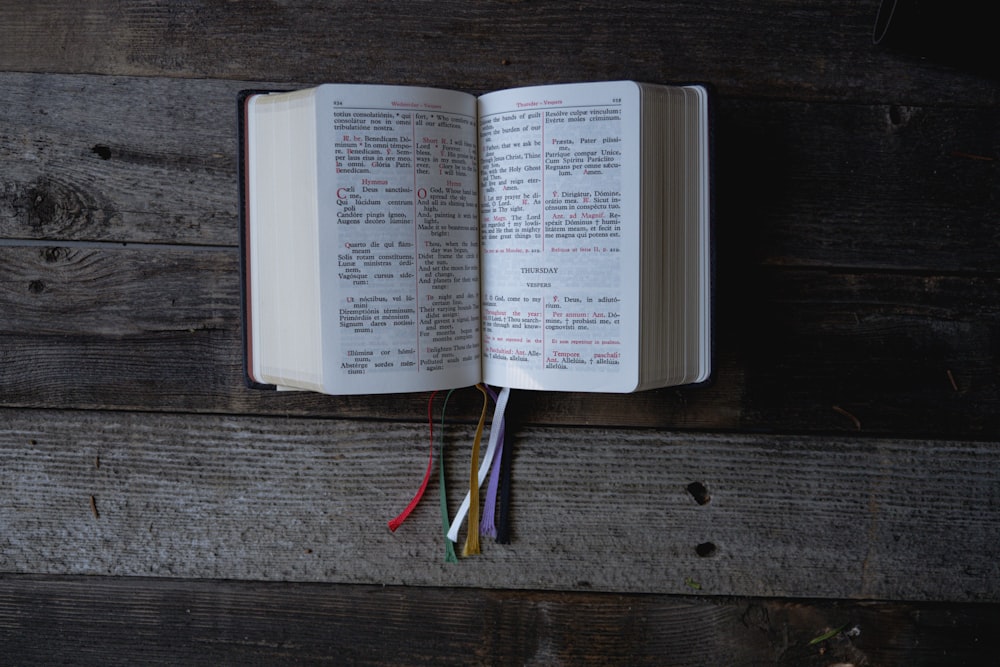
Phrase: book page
(399, 238)
(559, 206)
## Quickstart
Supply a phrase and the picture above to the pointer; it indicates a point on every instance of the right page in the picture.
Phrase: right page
(559, 212)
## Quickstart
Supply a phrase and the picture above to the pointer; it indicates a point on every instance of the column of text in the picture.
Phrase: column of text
(407, 228)
(552, 227)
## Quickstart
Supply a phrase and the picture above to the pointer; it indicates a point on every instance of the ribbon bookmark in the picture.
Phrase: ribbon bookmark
(487, 525)
(495, 432)
(395, 523)
(471, 547)
(506, 456)
(449, 548)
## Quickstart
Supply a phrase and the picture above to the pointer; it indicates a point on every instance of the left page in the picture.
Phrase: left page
(398, 238)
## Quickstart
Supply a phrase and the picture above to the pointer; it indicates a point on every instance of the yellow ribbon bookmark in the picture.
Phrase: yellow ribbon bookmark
(471, 547)
(496, 432)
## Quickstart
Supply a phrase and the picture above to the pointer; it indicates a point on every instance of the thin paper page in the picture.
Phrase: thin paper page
(560, 236)
(399, 232)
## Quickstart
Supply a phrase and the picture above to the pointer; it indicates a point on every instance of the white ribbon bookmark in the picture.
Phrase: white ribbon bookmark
(484, 467)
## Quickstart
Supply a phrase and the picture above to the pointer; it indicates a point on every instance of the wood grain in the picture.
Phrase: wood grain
(115, 621)
(875, 186)
(288, 499)
(808, 50)
(120, 160)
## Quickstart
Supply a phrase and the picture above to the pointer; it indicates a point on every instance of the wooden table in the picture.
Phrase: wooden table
(840, 477)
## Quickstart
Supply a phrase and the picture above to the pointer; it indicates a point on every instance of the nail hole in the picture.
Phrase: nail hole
(36, 287)
(699, 492)
(705, 549)
(895, 115)
(102, 151)
(53, 254)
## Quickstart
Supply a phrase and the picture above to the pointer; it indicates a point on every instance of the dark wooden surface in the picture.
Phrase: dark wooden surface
(154, 510)
(112, 621)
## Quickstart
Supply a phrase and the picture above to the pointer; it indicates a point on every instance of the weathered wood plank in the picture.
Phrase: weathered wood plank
(158, 329)
(804, 50)
(286, 499)
(118, 292)
(111, 621)
(886, 187)
(901, 353)
(153, 161)
(122, 160)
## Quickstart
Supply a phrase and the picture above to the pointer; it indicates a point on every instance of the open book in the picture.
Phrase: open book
(399, 238)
